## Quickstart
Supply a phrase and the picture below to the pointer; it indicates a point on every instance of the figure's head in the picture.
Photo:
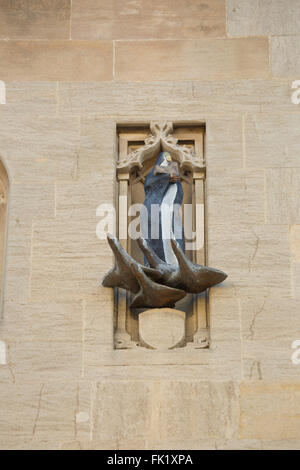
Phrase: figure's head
(163, 159)
(168, 157)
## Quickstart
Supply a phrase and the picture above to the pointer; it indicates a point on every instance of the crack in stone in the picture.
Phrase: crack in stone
(38, 411)
(255, 251)
(252, 324)
(259, 372)
(75, 413)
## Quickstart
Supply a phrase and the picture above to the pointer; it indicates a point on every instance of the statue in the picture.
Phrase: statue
(163, 192)
(169, 274)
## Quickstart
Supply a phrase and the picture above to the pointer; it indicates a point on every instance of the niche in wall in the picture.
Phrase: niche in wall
(138, 148)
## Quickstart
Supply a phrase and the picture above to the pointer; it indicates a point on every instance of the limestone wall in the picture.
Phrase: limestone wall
(71, 75)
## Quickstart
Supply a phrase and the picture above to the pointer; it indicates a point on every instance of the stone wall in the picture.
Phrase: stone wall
(72, 73)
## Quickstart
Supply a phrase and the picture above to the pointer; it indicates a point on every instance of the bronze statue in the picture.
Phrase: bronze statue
(162, 286)
(169, 274)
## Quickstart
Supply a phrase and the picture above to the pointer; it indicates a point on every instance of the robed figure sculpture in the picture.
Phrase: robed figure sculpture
(162, 221)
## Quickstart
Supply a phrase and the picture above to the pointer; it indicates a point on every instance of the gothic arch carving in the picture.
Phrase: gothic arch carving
(161, 138)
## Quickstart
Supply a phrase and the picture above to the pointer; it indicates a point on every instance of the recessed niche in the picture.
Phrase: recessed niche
(138, 148)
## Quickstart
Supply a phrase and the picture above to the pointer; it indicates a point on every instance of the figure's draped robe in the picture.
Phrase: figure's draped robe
(163, 222)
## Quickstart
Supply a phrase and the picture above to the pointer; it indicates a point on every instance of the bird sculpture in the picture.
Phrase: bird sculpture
(162, 284)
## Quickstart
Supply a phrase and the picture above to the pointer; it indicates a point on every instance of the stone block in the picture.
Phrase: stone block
(261, 18)
(284, 56)
(103, 99)
(26, 98)
(35, 20)
(295, 242)
(70, 60)
(17, 263)
(272, 140)
(68, 261)
(254, 256)
(30, 202)
(80, 199)
(19, 411)
(270, 317)
(282, 189)
(165, 19)
(224, 142)
(44, 360)
(45, 321)
(296, 281)
(235, 196)
(216, 102)
(97, 153)
(98, 326)
(39, 148)
(204, 59)
(269, 411)
(122, 410)
(183, 410)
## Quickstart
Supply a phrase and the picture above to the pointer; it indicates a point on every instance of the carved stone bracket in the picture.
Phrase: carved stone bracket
(161, 139)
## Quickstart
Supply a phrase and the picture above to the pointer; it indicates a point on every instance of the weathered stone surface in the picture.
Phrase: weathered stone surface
(208, 368)
(97, 154)
(269, 360)
(270, 324)
(70, 60)
(39, 148)
(177, 398)
(296, 282)
(272, 140)
(255, 255)
(61, 322)
(66, 256)
(44, 360)
(122, 410)
(39, 416)
(56, 406)
(27, 202)
(167, 19)
(198, 99)
(262, 317)
(284, 54)
(199, 59)
(97, 327)
(224, 144)
(270, 411)
(295, 242)
(244, 203)
(146, 410)
(184, 444)
(25, 98)
(35, 20)
(31, 201)
(225, 325)
(75, 201)
(255, 444)
(103, 99)
(262, 18)
(115, 444)
(282, 206)
(19, 413)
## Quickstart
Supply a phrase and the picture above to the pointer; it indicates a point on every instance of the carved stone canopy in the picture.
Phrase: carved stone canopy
(161, 139)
